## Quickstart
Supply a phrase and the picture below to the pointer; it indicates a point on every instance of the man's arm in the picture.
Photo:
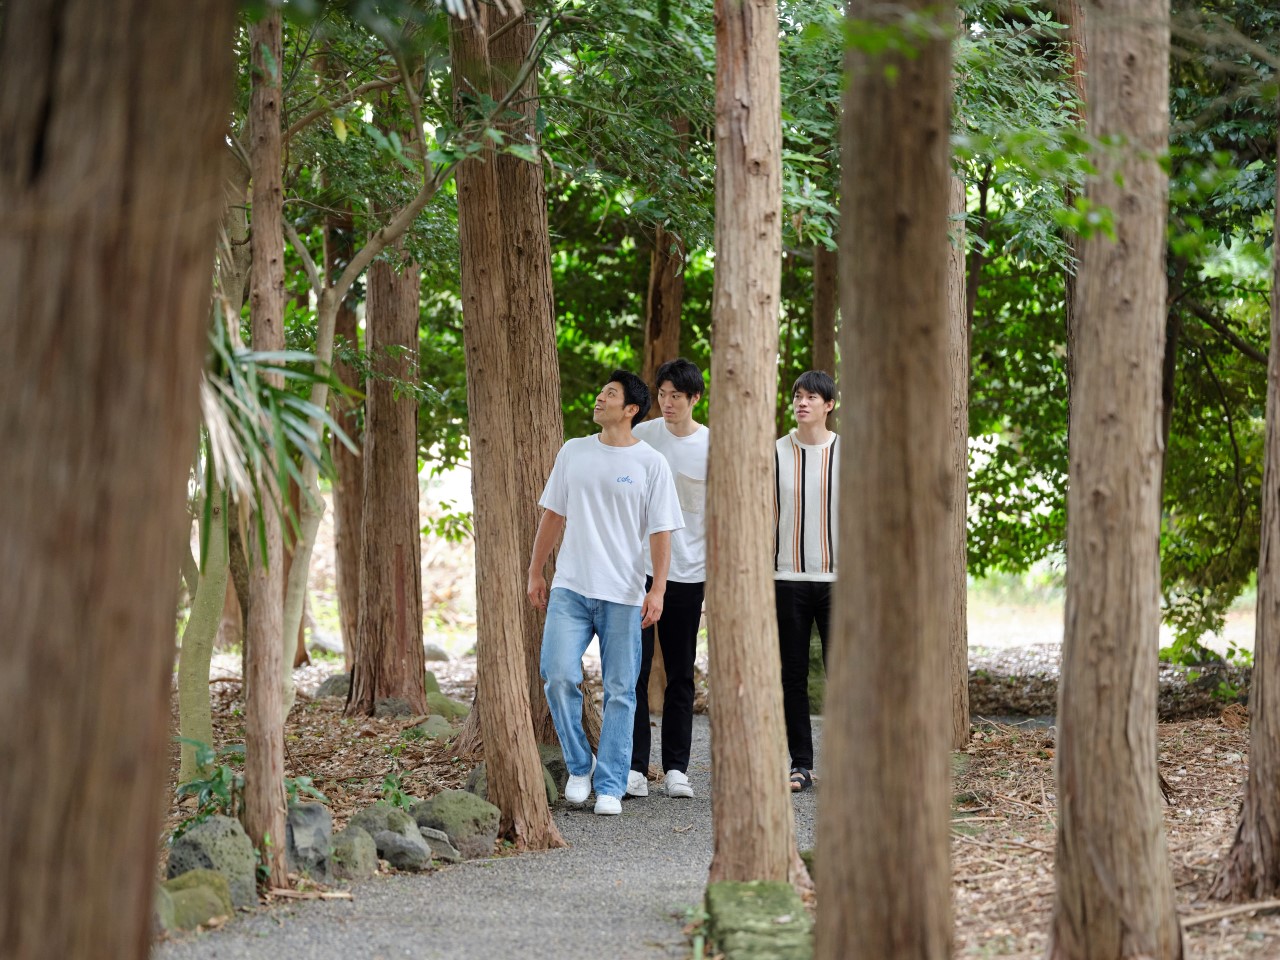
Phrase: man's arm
(550, 526)
(660, 552)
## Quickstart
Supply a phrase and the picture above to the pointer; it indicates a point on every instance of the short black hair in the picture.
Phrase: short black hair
(683, 375)
(634, 390)
(816, 381)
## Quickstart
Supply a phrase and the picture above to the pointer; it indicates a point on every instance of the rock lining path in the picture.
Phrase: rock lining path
(620, 890)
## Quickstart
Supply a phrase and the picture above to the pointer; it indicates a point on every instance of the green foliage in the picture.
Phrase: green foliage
(218, 789)
(394, 794)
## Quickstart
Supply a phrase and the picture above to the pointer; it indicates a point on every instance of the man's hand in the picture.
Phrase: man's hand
(651, 609)
(537, 590)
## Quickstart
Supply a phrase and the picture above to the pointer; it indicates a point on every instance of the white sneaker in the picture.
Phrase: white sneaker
(608, 806)
(579, 788)
(678, 784)
(637, 784)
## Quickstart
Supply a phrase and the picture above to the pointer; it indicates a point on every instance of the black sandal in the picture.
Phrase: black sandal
(801, 779)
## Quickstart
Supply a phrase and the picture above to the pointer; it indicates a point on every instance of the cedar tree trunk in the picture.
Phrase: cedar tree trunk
(111, 118)
(346, 410)
(1114, 896)
(752, 822)
(1252, 868)
(531, 328)
(826, 301)
(957, 545)
(264, 798)
(502, 673)
(887, 845)
(390, 660)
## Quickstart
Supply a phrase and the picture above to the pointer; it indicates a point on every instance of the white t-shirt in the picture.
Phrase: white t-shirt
(612, 499)
(687, 457)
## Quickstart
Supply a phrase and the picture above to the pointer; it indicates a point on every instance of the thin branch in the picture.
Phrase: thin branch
(308, 261)
(1212, 915)
(354, 94)
(1218, 325)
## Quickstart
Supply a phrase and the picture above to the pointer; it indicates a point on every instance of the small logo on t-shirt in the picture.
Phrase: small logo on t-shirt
(624, 480)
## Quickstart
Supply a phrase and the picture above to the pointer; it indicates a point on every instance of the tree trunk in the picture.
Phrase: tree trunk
(957, 545)
(1251, 870)
(264, 798)
(390, 662)
(826, 300)
(664, 300)
(195, 719)
(502, 673)
(888, 758)
(1114, 894)
(752, 822)
(348, 490)
(531, 330)
(111, 118)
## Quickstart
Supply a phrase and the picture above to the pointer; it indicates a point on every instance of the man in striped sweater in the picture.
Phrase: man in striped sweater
(807, 496)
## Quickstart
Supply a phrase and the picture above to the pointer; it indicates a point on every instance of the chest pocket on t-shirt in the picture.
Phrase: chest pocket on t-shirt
(692, 493)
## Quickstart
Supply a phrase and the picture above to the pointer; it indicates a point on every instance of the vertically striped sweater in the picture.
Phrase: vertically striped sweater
(806, 504)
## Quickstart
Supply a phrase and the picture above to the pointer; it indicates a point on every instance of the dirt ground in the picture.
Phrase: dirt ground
(1003, 832)
(1004, 805)
(1003, 818)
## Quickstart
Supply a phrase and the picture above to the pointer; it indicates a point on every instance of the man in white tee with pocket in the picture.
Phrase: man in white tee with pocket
(683, 442)
(608, 494)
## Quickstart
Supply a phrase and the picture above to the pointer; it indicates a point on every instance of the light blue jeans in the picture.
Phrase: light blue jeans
(572, 620)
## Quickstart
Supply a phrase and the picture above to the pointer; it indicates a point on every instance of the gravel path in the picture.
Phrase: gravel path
(620, 891)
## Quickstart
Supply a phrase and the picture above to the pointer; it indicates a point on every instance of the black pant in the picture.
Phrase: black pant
(678, 634)
(800, 604)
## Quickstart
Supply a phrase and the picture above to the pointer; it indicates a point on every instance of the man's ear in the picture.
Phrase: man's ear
(634, 408)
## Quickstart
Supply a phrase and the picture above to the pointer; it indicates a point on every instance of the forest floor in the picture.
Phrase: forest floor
(625, 885)
(641, 872)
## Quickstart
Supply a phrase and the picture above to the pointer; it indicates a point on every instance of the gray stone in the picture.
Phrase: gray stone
(441, 848)
(326, 641)
(338, 685)
(553, 760)
(354, 856)
(433, 685)
(435, 727)
(760, 920)
(478, 783)
(211, 879)
(470, 823)
(384, 816)
(392, 707)
(162, 912)
(439, 703)
(221, 844)
(433, 651)
(403, 853)
(195, 907)
(308, 834)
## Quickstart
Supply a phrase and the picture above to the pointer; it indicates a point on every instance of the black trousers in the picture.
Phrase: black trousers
(801, 604)
(678, 634)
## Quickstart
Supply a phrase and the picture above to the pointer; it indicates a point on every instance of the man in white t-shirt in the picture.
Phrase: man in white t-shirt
(683, 442)
(608, 494)
(806, 505)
